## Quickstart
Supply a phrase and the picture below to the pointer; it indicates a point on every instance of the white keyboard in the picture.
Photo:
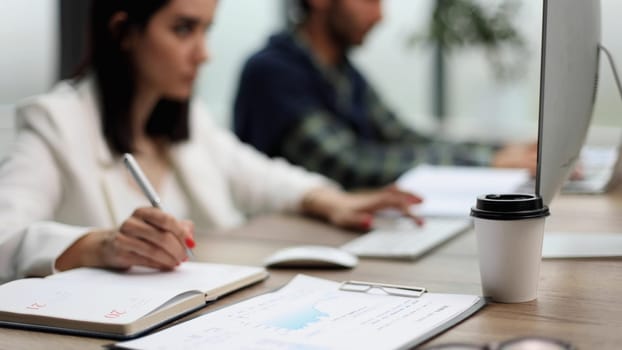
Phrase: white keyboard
(599, 170)
(406, 241)
(600, 167)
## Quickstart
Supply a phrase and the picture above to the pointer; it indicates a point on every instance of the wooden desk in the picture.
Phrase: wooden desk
(579, 300)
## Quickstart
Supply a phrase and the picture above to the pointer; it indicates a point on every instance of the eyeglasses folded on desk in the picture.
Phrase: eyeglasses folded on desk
(523, 343)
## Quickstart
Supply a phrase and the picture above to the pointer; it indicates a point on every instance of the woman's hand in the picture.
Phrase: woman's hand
(517, 156)
(150, 237)
(356, 210)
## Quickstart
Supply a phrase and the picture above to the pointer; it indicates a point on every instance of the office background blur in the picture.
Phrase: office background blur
(477, 105)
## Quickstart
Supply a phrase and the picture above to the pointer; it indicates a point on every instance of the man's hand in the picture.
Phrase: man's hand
(356, 210)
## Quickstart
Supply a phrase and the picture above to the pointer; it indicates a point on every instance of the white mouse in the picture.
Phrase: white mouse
(311, 256)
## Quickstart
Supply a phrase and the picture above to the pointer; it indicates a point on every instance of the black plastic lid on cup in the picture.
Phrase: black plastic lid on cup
(517, 206)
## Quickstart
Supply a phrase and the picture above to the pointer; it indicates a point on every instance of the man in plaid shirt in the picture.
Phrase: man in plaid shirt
(301, 98)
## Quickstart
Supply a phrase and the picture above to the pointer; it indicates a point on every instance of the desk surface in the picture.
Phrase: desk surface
(579, 300)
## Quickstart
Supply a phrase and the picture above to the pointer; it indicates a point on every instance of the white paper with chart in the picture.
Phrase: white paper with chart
(311, 313)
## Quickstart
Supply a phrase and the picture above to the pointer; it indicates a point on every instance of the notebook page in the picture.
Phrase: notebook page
(311, 313)
(187, 276)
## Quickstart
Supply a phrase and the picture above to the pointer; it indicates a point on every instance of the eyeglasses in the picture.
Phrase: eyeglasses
(523, 343)
(390, 289)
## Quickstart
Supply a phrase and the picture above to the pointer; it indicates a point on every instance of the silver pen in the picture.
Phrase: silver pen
(146, 186)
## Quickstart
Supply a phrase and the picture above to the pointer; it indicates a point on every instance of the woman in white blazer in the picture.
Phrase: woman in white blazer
(65, 198)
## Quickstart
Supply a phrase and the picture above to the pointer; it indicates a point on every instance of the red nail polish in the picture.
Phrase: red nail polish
(368, 222)
(185, 259)
(190, 243)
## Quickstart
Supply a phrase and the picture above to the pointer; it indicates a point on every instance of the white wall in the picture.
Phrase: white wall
(400, 73)
(28, 37)
(240, 28)
(29, 47)
(403, 74)
(476, 100)
(609, 103)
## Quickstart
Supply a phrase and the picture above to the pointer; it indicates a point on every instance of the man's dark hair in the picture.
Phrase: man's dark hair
(302, 10)
(304, 7)
(115, 76)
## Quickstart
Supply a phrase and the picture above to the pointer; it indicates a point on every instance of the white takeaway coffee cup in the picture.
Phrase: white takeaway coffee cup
(509, 230)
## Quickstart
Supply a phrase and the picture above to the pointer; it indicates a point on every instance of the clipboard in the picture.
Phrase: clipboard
(411, 292)
(311, 312)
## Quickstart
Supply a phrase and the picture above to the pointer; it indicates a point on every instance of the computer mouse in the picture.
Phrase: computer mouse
(312, 256)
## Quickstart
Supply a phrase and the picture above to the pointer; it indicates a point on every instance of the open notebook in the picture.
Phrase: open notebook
(104, 303)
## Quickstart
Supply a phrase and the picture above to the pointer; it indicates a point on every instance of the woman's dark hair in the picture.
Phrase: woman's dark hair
(115, 74)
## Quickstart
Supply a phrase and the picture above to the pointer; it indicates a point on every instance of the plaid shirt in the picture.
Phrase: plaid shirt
(369, 152)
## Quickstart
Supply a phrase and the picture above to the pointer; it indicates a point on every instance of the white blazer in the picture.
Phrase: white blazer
(55, 182)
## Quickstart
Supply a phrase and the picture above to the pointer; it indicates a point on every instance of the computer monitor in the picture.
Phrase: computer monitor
(568, 81)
